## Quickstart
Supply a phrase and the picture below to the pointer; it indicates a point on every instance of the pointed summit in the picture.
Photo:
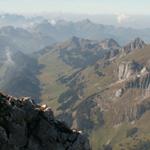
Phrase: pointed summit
(87, 21)
(74, 39)
(109, 44)
(137, 43)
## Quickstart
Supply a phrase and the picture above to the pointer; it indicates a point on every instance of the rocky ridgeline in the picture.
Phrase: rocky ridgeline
(25, 125)
(137, 43)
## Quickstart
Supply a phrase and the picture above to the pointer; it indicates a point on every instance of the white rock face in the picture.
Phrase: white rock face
(119, 93)
(127, 69)
(131, 69)
(144, 70)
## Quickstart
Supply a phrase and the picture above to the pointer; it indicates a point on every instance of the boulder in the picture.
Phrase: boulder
(119, 93)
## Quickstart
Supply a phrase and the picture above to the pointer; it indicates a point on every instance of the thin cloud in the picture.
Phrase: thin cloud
(121, 18)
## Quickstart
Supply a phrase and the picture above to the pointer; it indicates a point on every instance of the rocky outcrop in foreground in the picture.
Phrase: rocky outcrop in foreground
(25, 125)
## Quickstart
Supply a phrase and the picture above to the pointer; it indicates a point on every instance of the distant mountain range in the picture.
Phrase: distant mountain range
(23, 40)
(118, 19)
(37, 32)
(62, 30)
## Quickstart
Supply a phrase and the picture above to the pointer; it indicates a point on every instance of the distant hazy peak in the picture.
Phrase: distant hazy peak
(75, 39)
(79, 41)
(109, 43)
(87, 21)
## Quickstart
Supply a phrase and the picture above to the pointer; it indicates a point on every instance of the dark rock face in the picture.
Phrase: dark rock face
(27, 126)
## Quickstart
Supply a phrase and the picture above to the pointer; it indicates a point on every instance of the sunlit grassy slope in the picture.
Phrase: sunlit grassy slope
(54, 68)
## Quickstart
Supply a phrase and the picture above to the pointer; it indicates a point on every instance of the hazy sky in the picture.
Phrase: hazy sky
(77, 6)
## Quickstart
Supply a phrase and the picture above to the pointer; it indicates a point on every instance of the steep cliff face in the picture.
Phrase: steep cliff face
(134, 91)
(128, 69)
(135, 75)
(27, 126)
(140, 81)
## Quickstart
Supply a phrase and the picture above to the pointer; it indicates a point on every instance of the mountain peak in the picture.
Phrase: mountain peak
(109, 43)
(138, 39)
(85, 22)
(137, 43)
(74, 39)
